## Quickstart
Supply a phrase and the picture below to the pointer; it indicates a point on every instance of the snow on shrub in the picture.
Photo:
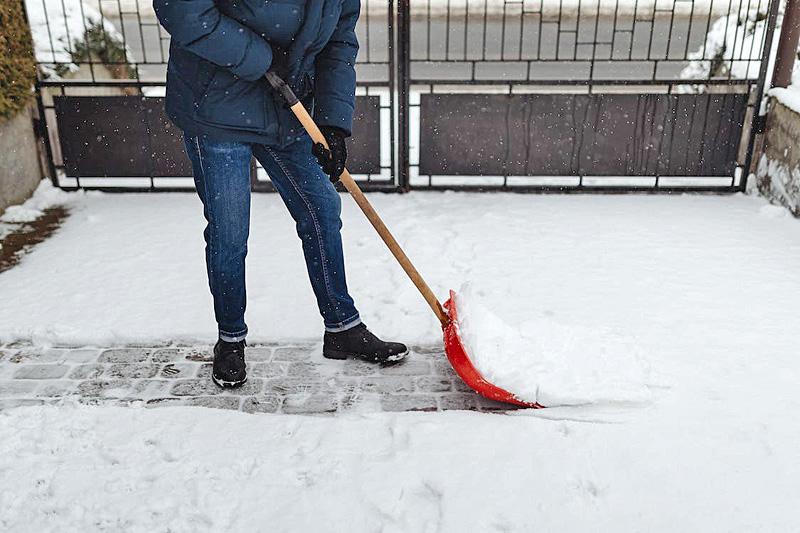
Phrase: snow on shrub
(732, 48)
(69, 32)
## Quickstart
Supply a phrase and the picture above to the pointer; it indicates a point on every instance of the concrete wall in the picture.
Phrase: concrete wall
(778, 171)
(20, 172)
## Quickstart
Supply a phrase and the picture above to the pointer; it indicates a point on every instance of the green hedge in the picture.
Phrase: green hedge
(17, 62)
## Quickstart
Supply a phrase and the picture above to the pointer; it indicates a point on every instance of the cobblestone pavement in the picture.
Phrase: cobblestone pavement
(282, 379)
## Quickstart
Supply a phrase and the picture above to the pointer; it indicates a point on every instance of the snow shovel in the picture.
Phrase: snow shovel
(456, 353)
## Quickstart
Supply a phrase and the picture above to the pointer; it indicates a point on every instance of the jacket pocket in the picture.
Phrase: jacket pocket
(233, 103)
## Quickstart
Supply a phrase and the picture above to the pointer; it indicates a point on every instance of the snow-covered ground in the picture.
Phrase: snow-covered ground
(701, 463)
(705, 286)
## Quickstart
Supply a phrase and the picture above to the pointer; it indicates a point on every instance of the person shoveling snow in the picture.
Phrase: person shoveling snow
(217, 94)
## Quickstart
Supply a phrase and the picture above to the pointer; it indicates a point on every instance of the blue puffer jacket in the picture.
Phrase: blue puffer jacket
(220, 51)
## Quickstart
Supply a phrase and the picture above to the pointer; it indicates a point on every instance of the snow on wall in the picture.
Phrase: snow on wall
(778, 172)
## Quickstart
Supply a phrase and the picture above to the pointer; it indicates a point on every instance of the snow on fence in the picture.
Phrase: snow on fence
(68, 33)
(733, 47)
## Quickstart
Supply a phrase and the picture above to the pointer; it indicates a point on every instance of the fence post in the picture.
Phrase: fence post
(787, 46)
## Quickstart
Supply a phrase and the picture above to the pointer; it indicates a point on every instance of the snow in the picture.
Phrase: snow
(45, 197)
(788, 96)
(644, 266)
(702, 288)
(195, 470)
(735, 43)
(783, 181)
(545, 361)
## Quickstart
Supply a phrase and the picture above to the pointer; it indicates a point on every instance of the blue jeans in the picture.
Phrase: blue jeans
(222, 177)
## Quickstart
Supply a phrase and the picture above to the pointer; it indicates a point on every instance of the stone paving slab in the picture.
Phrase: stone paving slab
(291, 379)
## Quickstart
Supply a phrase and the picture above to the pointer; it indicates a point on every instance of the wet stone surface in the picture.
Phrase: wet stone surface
(282, 379)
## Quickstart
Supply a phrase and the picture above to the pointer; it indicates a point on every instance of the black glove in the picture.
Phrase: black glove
(280, 62)
(333, 158)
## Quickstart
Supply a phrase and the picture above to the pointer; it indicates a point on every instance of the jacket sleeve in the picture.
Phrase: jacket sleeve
(198, 26)
(335, 79)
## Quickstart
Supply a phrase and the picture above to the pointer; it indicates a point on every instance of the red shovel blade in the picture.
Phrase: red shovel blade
(465, 369)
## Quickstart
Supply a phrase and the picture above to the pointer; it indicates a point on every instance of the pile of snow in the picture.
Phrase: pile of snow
(542, 360)
(789, 96)
(59, 26)
(45, 197)
(781, 183)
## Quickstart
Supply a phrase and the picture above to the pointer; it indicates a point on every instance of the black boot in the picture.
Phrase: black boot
(229, 370)
(358, 343)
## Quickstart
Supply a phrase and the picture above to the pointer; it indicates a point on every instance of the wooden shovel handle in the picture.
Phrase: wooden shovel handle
(355, 191)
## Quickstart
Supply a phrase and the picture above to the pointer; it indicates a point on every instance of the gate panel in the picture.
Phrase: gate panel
(574, 135)
(97, 131)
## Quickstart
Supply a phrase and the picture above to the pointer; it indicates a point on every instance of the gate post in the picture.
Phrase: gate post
(787, 46)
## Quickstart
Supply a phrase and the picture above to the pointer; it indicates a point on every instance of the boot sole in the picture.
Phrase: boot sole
(228, 384)
(341, 356)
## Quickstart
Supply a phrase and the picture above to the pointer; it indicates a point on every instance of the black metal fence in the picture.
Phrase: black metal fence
(511, 94)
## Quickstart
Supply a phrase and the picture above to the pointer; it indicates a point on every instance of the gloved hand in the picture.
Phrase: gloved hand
(333, 158)
(280, 62)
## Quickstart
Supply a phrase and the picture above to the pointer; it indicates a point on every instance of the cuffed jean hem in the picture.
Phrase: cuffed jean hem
(344, 325)
(232, 337)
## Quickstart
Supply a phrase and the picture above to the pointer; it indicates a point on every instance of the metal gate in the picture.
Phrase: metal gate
(492, 94)
(102, 73)
(583, 94)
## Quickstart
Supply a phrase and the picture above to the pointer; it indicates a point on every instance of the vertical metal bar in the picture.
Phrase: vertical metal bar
(558, 30)
(787, 46)
(403, 75)
(367, 32)
(614, 30)
(393, 174)
(485, 15)
(735, 34)
(762, 78)
(466, 27)
(44, 136)
(427, 35)
(141, 39)
(594, 41)
(753, 41)
(447, 33)
(685, 54)
(503, 33)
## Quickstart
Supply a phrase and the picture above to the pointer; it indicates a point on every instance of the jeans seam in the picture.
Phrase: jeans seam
(200, 160)
(317, 228)
(210, 243)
